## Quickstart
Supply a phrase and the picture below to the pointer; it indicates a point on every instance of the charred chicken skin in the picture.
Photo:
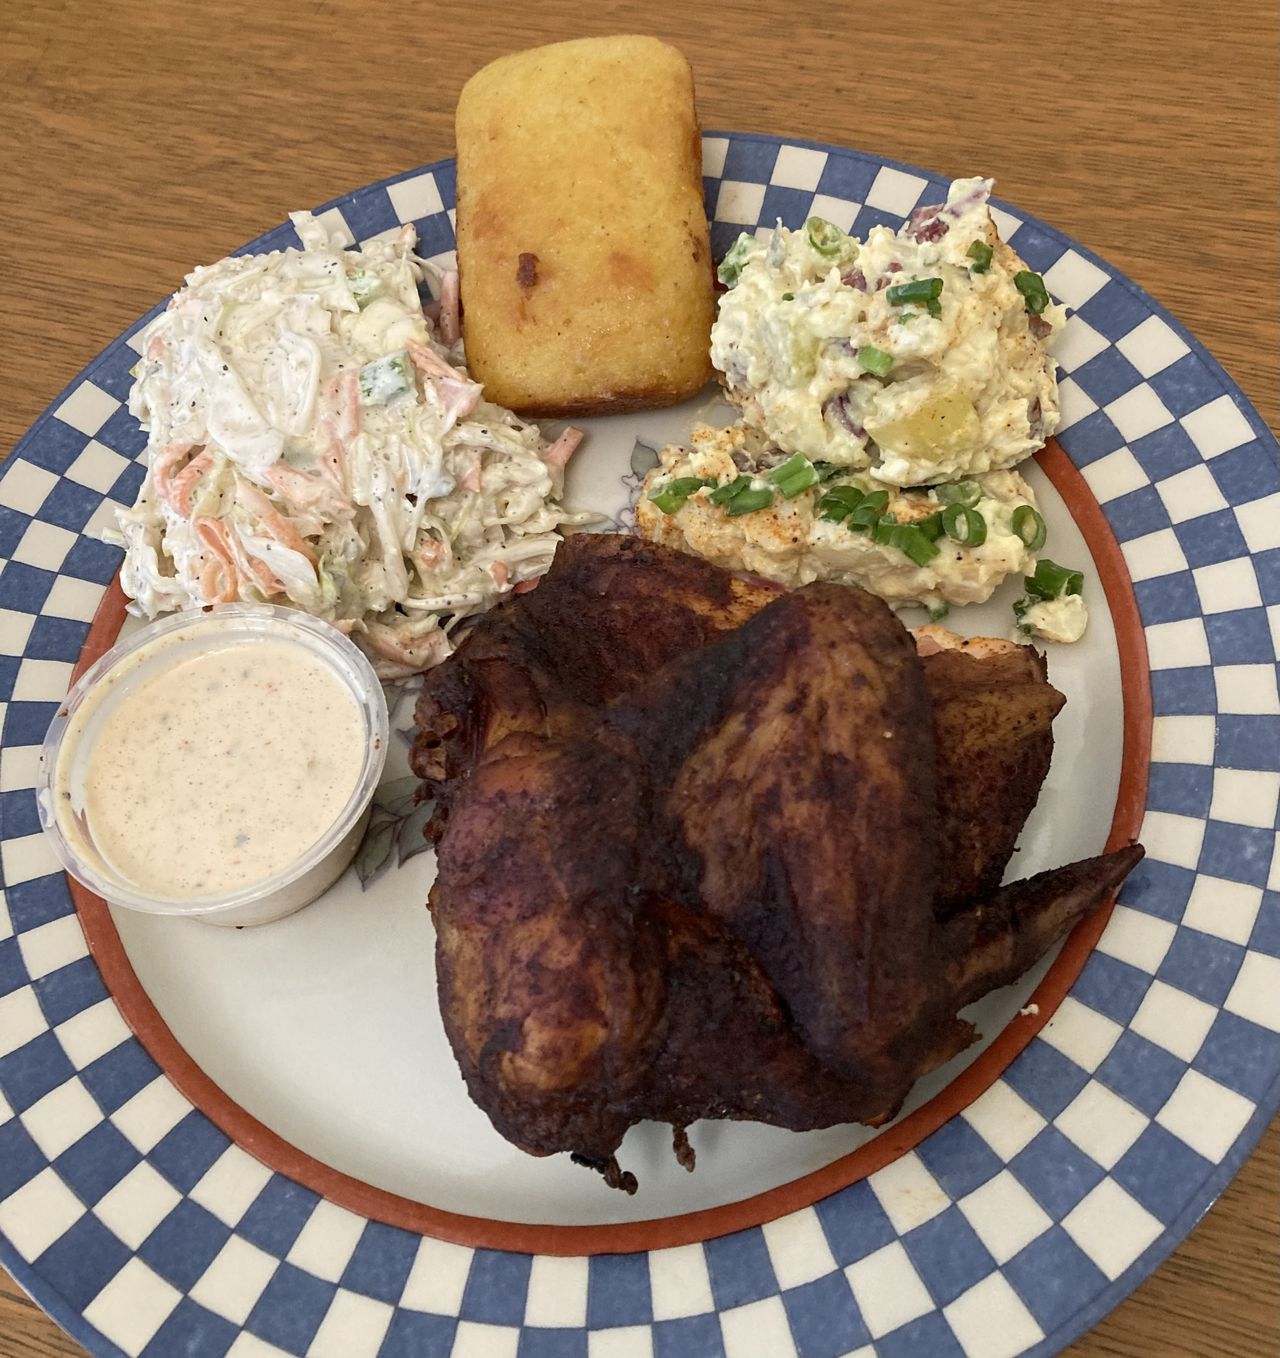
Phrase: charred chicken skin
(701, 879)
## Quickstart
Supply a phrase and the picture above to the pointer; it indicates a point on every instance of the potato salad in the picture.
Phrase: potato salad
(887, 389)
(315, 440)
(935, 546)
(920, 354)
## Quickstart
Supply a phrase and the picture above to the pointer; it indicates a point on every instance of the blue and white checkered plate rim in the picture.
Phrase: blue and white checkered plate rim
(145, 1231)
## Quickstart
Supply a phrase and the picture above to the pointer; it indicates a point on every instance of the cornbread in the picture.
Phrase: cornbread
(583, 249)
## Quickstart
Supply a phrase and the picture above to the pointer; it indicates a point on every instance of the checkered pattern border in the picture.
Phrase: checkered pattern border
(142, 1229)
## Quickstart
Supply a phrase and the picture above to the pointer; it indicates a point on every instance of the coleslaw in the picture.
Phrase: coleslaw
(314, 439)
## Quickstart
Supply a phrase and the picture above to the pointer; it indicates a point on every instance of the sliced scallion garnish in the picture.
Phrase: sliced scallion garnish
(796, 463)
(918, 290)
(798, 484)
(907, 538)
(980, 252)
(867, 514)
(795, 475)
(875, 361)
(964, 525)
(671, 497)
(959, 493)
(1052, 581)
(686, 485)
(839, 502)
(735, 257)
(1029, 527)
(748, 501)
(667, 502)
(723, 494)
(825, 237)
(1034, 293)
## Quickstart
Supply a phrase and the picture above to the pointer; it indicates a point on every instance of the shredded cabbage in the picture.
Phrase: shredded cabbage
(393, 512)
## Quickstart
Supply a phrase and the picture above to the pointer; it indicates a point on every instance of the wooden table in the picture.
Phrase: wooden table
(140, 139)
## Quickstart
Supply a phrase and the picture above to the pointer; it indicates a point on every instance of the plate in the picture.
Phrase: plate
(212, 1142)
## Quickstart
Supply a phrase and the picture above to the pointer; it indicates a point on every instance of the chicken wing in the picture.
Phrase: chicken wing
(614, 609)
(713, 895)
(993, 710)
(611, 611)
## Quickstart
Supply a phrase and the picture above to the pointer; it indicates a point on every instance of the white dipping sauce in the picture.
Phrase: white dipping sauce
(222, 769)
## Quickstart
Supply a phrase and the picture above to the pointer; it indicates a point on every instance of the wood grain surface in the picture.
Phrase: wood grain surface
(137, 139)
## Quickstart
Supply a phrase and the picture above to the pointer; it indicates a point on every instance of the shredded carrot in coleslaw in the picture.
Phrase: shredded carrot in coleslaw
(315, 439)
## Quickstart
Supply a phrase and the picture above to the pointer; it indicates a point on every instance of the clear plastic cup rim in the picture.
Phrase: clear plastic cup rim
(252, 621)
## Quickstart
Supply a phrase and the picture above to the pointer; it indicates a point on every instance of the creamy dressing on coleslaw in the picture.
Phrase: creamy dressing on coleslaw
(223, 769)
(315, 441)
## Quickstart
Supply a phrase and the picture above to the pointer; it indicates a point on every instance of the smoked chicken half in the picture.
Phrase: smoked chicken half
(689, 836)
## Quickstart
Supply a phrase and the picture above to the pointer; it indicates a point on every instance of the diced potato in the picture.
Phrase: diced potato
(939, 427)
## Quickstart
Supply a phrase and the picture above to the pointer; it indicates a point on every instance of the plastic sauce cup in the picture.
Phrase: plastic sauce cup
(69, 749)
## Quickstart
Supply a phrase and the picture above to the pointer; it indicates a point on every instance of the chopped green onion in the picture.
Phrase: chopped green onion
(788, 297)
(876, 361)
(1052, 581)
(748, 501)
(966, 493)
(931, 527)
(1020, 607)
(796, 463)
(964, 525)
(798, 484)
(839, 502)
(907, 538)
(686, 485)
(937, 610)
(731, 265)
(826, 470)
(867, 514)
(795, 475)
(364, 286)
(825, 237)
(671, 497)
(980, 252)
(918, 290)
(1034, 293)
(1029, 527)
(723, 494)
(385, 378)
(736, 496)
(935, 307)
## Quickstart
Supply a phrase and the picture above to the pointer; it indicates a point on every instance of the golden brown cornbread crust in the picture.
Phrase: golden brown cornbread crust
(583, 248)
